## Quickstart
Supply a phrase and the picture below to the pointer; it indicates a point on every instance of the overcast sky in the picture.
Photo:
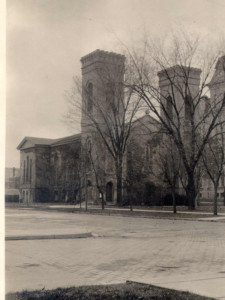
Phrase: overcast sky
(47, 38)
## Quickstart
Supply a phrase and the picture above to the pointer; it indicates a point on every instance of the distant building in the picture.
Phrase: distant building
(12, 184)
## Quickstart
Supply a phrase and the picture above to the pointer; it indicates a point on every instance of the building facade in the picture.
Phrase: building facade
(49, 169)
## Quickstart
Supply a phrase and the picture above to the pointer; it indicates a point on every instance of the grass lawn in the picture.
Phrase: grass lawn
(128, 290)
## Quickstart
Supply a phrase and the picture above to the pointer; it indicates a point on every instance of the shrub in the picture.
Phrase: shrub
(180, 199)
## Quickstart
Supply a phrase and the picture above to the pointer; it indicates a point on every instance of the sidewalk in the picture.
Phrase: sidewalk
(174, 254)
(208, 216)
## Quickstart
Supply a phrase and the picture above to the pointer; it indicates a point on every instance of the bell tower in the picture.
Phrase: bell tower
(102, 83)
(102, 74)
(179, 86)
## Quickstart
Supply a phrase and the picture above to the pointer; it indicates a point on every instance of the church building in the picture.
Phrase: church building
(80, 167)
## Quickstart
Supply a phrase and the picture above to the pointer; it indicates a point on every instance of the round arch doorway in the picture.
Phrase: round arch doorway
(109, 192)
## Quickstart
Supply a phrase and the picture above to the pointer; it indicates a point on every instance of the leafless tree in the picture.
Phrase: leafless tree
(99, 175)
(109, 120)
(179, 101)
(214, 159)
(169, 167)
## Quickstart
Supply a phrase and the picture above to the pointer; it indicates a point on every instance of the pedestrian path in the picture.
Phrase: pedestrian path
(172, 254)
(47, 236)
(219, 217)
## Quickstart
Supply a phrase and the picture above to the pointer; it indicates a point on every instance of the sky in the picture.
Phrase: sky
(45, 40)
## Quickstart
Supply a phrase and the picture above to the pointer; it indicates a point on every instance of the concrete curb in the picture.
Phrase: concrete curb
(48, 237)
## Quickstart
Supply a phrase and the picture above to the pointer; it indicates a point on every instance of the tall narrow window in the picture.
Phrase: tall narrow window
(90, 97)
(89, 146)
(169, 107)
(89, 157)
(148, 156)
(27, 173)
(30, 170)
(24, 171)
(110, 93)
(187, 112)
(207, 105)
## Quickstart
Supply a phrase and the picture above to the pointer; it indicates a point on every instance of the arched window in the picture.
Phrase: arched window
(148, 156)
(88, 154)
(110, 93)
(187, 108)
(169, 107)
(89, 146)
(90, 97)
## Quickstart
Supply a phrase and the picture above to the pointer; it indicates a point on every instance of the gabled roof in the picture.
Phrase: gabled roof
(67, 139)
(147, 118)
(34, 141)
(144, 125)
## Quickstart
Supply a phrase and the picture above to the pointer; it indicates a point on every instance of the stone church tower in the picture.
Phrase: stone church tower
(102, 83)
(179, 92)
(179, 85)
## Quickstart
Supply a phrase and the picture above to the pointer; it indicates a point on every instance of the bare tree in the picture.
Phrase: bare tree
(213, 160)
(179, 101)
(99, 174)
(141, 153)
(169, 167)
(109, 120)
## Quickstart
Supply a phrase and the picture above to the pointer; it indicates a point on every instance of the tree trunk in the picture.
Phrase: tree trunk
(119, 170)
(103, 201)
(174, 202)
(80, 195)
(86, 194)
(131, 202)
(215, 201)
(191, 192)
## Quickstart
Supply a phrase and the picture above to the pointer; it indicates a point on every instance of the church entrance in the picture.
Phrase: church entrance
(109, 192)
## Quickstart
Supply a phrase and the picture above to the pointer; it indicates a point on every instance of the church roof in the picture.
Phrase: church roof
(67, 139)
(35, 141)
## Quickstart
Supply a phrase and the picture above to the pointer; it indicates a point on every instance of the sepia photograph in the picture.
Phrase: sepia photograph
(114, 160)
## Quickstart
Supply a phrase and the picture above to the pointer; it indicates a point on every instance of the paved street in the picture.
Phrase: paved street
(188, 255)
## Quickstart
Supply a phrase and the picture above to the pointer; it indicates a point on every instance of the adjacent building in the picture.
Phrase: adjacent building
(49, 169)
